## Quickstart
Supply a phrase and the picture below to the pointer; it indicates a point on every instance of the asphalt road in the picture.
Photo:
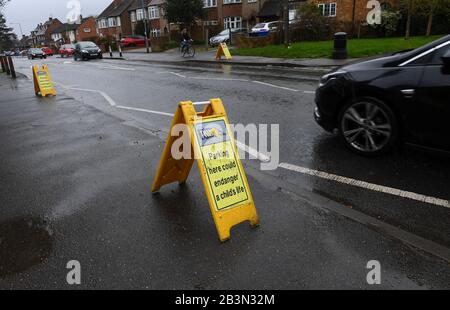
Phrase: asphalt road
(302, 141)
(251, 96)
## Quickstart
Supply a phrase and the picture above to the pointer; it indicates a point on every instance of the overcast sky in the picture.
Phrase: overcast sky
(29, 13)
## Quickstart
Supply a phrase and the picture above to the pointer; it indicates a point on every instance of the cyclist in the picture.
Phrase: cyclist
(185, 39)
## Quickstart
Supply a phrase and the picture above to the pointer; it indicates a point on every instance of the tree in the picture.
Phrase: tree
(429, 8)
(7, 37)
(312, 24)
(410, 8)
(185, 12)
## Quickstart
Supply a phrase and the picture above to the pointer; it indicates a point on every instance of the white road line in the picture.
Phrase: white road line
(261, 157)
(366, 185)
(218, 79)
(284, 88)
(145, 110)
(105, 95)
(178, 74)
(116, 68)
(275, 86)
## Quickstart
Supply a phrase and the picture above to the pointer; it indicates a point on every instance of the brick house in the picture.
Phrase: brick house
(115, 21)
(346, 12)
(71, 32)
(42, 34)
(153, 12)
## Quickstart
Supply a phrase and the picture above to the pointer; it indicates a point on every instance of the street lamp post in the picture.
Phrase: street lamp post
(147, 46)
(20, 27)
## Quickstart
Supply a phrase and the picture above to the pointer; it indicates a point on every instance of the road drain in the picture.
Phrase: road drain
(23, 243)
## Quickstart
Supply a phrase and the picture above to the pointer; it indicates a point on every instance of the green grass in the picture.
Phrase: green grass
(323, 49)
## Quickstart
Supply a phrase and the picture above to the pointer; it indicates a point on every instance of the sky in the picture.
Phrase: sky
(29, 13)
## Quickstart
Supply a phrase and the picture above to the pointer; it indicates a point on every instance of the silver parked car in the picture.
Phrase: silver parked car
(224, 36)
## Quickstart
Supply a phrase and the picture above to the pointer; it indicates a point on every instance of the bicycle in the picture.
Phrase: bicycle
(186, 49)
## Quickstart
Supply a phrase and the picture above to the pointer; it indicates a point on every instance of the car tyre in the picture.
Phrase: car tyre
(368, 126)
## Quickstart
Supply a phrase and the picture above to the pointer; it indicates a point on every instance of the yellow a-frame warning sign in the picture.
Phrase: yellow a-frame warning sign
(43, 84)
(223, 51)
(223, 176)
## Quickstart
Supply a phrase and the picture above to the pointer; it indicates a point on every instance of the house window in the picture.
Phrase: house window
(140, 14)
(328, 9)
(112, 22)
(231, 1)
(103, 24)
(209, 3)
(119, 22)
(153, 12)
(155, 32)
(87, 30)
(133, 16)
(252, 1)
(232, 22)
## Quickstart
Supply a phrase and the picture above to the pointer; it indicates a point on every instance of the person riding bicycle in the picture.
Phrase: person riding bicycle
(185, 39)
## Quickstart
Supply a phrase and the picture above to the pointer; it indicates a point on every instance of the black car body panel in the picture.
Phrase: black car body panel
(416, 89)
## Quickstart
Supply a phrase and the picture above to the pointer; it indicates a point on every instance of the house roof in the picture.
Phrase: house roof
(157, 2)
(136, 4)
(66, 27)
(116, 8)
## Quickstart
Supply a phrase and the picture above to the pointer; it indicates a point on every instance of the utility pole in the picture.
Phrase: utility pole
(286, 22)
(147, 45)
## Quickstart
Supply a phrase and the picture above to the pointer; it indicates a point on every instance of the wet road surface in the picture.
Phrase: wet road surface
(172, 231)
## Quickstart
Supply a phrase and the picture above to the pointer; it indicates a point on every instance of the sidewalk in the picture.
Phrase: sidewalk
(208, 57)
(76, 185)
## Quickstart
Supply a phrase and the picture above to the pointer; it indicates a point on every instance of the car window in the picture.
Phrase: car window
(88, 44)
(436, 56)
(259, 26)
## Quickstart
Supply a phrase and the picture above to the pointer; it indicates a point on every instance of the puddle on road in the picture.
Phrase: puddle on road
(23, 243)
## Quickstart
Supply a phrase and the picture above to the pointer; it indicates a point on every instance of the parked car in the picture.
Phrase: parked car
(87, 50)
(36, 53)
(66, 50)
(47, 51)
(224, 36)
(9, 53)
(263, 29)
(133, 41)
(376, 104)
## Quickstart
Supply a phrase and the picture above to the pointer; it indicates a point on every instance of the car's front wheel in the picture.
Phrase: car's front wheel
(368, 126)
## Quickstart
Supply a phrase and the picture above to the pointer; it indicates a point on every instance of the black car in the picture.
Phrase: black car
(404, 97)
(87, 50)
(36, 53)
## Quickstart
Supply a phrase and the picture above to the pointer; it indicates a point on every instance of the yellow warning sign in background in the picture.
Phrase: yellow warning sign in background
(223, 51)
(43, 84)
(223, 176)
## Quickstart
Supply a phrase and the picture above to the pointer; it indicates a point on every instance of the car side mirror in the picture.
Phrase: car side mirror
(446, 58)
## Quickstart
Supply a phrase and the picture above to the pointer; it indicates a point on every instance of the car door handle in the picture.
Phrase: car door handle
(408, 92)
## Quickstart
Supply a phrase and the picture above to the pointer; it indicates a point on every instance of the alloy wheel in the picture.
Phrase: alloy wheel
(366, 127)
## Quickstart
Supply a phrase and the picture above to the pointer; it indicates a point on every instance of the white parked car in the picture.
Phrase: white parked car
(265, 28)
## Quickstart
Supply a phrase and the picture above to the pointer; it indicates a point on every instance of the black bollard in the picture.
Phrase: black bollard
(340, 45)
(11, 67)
(2, 62)
(5, 61)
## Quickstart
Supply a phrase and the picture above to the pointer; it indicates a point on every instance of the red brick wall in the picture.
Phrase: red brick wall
(230, 10)
(89, 23)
